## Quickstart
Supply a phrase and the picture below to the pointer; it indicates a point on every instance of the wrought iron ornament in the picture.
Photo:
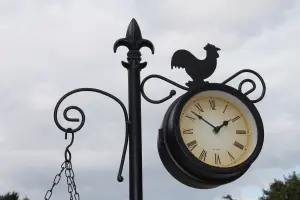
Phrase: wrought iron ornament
(67, 164)
(198, 70)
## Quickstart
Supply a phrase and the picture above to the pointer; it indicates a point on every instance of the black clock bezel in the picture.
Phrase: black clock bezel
(172, 166)
(188, 160)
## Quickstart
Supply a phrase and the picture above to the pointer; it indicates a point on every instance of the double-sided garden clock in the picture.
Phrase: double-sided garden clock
(212, 134)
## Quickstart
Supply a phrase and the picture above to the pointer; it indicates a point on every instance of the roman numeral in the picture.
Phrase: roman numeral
(240, 132)
(217, 159)
(188, 131)
(203, 155)
(231, 157)
(192, 144)
(238, 145)
(199, 107)
(225, 108)
(191, 118)
(236, 118)
(212, 104)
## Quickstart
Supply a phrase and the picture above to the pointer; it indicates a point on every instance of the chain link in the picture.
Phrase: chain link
(70, 175)
(67, 166)
(55, 182)
(70, 181)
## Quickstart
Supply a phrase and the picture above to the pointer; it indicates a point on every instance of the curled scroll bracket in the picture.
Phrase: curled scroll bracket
(249, 81)
(172, 92)
(67, 118)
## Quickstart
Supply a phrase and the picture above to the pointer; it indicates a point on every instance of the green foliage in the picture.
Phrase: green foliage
(228, 197)
(11, 196)
(289, 189)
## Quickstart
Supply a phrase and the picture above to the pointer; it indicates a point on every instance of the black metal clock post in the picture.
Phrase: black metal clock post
(134, 42)
(182, 59)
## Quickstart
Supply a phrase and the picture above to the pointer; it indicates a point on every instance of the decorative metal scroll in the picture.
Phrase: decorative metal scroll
(173, 92)
(120, 178)
(249, 81)
(67, 164)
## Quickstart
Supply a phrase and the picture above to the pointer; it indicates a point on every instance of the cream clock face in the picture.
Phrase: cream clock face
(218, 129)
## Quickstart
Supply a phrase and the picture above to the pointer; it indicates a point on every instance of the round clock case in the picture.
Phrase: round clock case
(182, 164)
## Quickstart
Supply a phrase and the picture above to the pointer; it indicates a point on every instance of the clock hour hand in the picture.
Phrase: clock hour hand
(217, 128)
(200, 117)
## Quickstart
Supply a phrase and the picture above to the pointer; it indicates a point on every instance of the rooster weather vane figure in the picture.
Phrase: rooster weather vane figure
(197, 69)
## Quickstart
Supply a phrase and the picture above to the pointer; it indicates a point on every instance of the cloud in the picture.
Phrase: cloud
(51, 47)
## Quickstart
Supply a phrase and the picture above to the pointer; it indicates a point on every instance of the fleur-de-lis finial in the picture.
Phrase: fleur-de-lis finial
(134, 42)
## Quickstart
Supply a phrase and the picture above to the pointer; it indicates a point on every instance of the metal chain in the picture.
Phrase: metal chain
(71, 182)
(55, 182)
(67, 166)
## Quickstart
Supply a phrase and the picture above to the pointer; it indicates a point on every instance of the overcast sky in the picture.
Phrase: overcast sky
(49, 47)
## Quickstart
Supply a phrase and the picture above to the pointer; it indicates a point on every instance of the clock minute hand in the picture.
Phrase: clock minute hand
(200, 117)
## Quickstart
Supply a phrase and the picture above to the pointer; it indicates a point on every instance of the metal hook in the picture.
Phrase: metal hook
(67, 151)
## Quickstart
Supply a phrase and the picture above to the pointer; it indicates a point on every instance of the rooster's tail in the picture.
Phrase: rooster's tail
(182, 58)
